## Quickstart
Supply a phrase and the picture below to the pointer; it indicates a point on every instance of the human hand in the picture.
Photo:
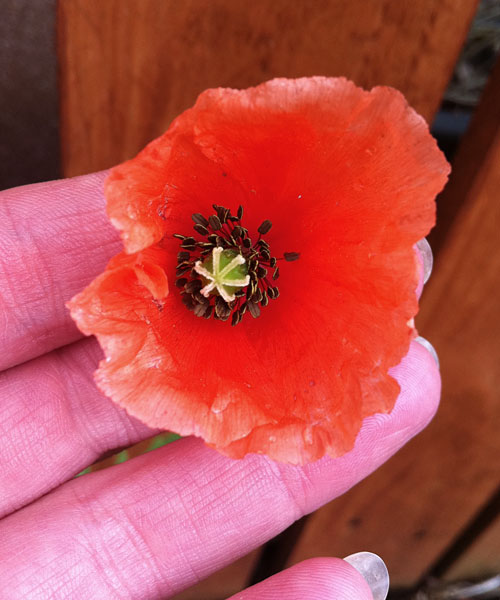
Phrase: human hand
(162, 521)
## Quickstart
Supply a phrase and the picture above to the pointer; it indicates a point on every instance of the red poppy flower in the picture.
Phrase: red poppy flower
(347, 178)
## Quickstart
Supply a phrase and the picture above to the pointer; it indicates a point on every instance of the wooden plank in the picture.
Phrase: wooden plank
(411, 511)
(470, 158)
(127, 67)
(482, 559)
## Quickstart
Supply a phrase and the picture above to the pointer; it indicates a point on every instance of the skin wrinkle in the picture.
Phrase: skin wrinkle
(193, 510)
(44, 420)
(153, 560)
(83, 426)
(312, 579)
(275, 469)
(41, 388)
(33, 418)
(27, 317)
(49, 587)
(90, 429)
(37, 579)
(96, 515)
(117, 515)
(186, 514)
(43, 263)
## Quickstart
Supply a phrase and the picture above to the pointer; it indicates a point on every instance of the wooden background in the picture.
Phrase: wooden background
(127, 67)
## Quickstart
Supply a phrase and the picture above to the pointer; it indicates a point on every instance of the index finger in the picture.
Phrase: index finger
(54, 239)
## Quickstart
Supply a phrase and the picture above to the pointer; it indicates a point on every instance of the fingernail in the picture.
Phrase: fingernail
(427, 259)
(373, 569)
(426, 344)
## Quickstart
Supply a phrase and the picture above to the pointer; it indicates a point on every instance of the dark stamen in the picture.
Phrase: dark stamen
(188, 301)
(193, 286)
(183, 256)
(222, 309)
(199, 219)
(265, 227)
(187, 242)
(196, 264)
(201, 229)
(257, 295)
(254, 309)
(200, 310)
(261, 272)
(214, 222)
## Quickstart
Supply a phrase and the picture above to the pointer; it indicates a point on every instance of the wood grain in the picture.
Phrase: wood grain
(128, 67)
(473, 152)
(482, 559)
(413, 508)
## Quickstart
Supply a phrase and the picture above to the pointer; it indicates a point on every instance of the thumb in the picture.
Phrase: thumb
(313, 579)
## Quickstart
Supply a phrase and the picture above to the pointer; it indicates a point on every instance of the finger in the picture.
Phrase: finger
(54, 239)
(162, 521)
(313, 579)
(54, 422)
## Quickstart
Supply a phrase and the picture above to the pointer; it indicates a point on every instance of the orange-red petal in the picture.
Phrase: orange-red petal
(348, 178)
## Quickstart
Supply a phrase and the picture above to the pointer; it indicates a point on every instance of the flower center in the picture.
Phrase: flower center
(225, 273)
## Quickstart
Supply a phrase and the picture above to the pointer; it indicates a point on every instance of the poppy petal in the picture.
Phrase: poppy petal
(348, 179)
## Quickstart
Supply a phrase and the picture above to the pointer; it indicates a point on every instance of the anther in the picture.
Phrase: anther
(201, 229)
(214, 222)
(183, 256)
(264, 227)
(224, 274)
(200, 310)
(199, 219)
(254, 309)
